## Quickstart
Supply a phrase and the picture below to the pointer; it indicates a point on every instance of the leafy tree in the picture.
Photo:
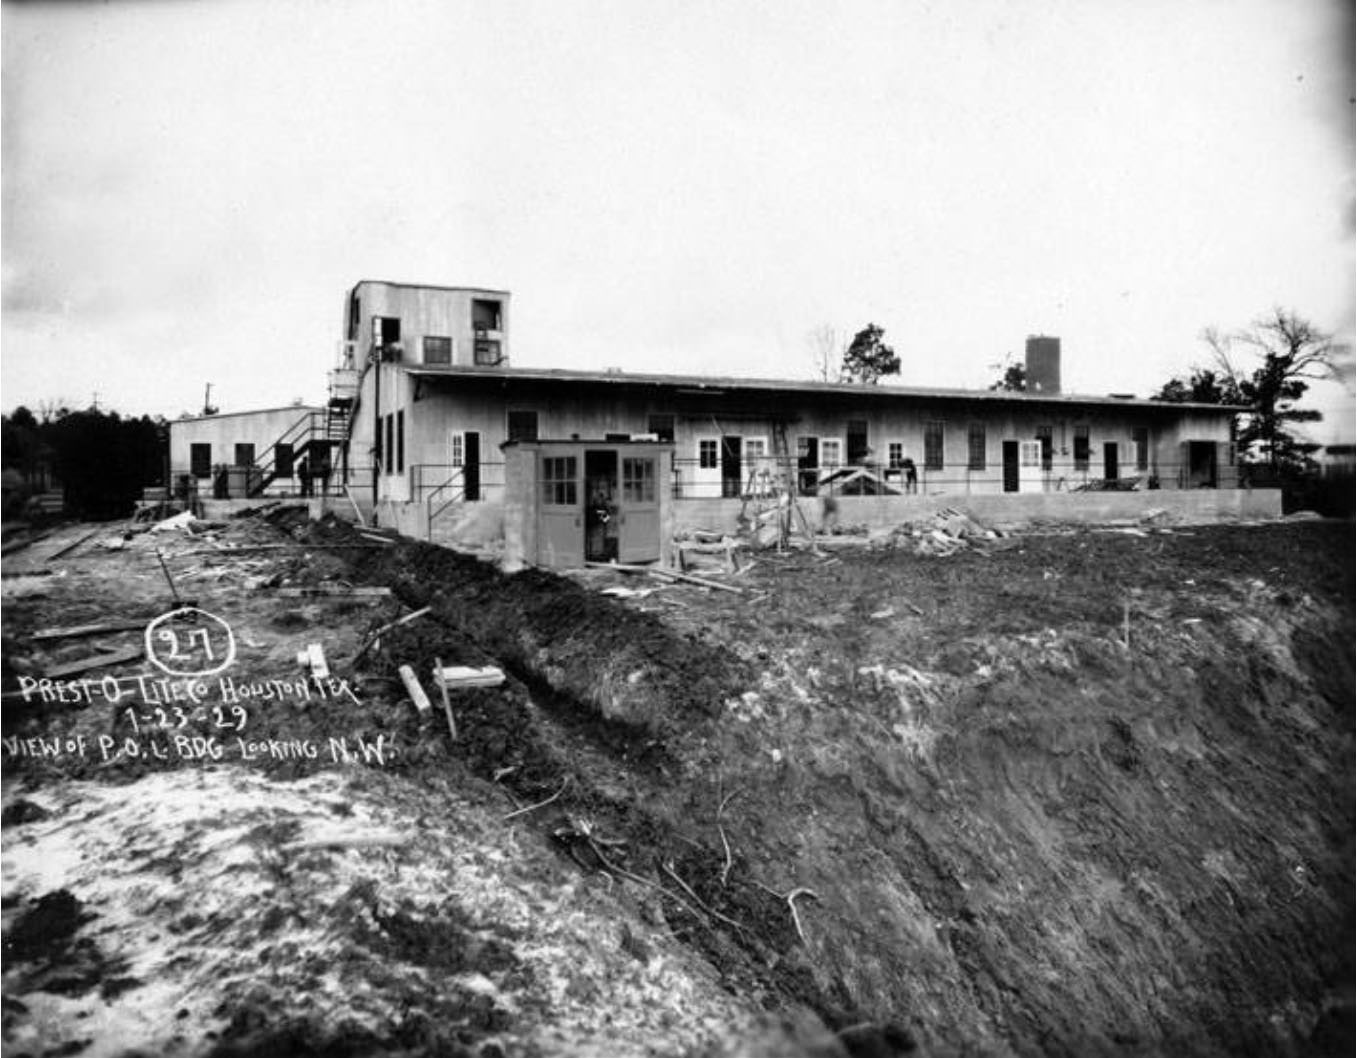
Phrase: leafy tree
(1203, 386)
(867, 357)
(1014, 377)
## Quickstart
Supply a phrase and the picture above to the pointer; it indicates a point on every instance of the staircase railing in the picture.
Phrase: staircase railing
(434, 506)
(264, 469)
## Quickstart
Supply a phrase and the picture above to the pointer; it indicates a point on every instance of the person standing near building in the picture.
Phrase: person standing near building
(911, 474)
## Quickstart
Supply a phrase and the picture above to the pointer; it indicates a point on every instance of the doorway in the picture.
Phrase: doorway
(1201, 464)
(731, 481)
(600, 506)
(807, 464)
(471, 468)
(1111, 467)
(1010, 466)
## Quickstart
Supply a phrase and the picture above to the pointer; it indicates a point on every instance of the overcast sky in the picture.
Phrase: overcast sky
(191, 188)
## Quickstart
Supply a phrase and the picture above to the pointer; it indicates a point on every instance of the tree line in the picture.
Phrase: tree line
(99, 460)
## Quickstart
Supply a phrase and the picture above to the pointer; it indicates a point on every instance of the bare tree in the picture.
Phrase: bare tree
(53, 408)
(826, 352)
(1294, 353)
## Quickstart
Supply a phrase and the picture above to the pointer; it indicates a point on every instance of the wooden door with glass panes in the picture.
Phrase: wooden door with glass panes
(639, 509)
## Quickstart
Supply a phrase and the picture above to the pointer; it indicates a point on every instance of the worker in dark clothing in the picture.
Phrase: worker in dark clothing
(911, 475)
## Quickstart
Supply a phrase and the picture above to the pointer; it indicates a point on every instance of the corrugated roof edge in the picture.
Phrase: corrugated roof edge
(554, 374)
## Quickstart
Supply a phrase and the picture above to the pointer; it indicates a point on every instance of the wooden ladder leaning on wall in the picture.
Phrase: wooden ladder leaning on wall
(782, 494)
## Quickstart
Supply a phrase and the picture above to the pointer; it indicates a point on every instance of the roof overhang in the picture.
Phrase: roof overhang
(710, 386)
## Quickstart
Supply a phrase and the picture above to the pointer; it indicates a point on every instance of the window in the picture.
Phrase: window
(1047, 446)
(457, 450)
(485, 315)
(437, 350)
(390, 448)
(400, 441)
(282, 460)
(487, 319)
(707, 457)
(638, 480)
(1081, 448)
(933, 453)
(386, 331)
(1140, 437)
(558, 481)
(1030, 454)
(895, 455)
(831, 453)
(200, 460)
(244, 455)
(755, 448)
(975, 446)
(662, 426)
(523, 426)
(488, 352)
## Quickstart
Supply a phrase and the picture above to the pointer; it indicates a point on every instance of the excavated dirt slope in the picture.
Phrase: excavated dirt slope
(1071, 794)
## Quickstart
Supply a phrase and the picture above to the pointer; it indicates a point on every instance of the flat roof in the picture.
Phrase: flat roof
(716, 385)
(299, 408)
(430, 286)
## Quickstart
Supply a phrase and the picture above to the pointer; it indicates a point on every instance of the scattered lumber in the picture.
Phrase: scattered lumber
(73, 545)
(379, 539)
(413, 689)
(296, 545)
(98, 661)
(447, 702)
(468, 676)
(376, 636)
(76, 631)
(357, 511)
(28, 541)
(668, 574)
(9, 574)
(835, 543)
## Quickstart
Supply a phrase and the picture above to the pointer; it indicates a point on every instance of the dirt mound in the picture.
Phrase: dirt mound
(627, 666)
(1084, 794)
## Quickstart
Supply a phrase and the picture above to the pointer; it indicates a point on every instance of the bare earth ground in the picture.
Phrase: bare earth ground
(1070, 794)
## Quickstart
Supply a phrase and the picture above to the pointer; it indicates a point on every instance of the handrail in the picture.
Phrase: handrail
(432, 514)
(266, 465)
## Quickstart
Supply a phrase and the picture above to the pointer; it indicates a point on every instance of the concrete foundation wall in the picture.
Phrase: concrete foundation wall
(1199, 506)
(316, 507)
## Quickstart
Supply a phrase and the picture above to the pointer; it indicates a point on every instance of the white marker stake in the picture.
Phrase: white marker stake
(414, 690)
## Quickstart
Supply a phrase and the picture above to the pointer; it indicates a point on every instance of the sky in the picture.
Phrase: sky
(191, 188)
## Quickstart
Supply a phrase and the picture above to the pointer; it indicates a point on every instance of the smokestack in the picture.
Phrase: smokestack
(1043, 364)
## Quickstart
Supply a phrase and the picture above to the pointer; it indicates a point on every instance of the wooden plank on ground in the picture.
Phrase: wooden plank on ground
(76, 631)
(413, 689)
(454, 676)
(98, 661)
(73, 545)
(668, 574)
(329, 591)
